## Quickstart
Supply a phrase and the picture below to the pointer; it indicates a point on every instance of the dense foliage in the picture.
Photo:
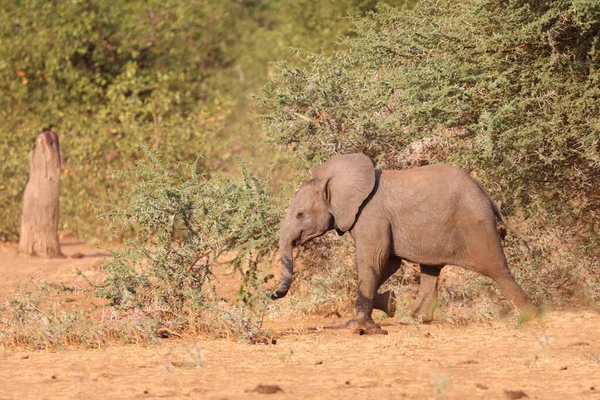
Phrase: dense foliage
(105, 76)
(509, 90)
(108, 76)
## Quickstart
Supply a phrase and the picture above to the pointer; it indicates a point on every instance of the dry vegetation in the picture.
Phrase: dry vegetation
(556, 356)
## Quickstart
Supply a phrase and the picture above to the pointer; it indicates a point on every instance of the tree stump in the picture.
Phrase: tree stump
(39, 221)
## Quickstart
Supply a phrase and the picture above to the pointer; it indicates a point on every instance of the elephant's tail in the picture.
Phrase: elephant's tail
(528, 241)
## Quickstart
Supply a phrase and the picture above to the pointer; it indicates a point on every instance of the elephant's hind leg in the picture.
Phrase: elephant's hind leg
(386, 301)
(427, 298)
(513, 292)
(487, 258)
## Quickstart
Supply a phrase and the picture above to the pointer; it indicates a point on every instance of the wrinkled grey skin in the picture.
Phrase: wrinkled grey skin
(434, 216)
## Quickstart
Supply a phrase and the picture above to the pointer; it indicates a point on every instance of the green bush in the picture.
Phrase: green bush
(183, 221)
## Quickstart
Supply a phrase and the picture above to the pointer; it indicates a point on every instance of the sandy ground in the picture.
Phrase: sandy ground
(553, 357)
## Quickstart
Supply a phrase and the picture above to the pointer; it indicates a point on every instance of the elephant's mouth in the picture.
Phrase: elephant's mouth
(306, 238)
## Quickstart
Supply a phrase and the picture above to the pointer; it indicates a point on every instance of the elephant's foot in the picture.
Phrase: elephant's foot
(386, 302)
(361, 321)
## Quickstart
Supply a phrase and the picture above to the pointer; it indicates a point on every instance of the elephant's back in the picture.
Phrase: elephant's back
(435, 179)
(433, 193)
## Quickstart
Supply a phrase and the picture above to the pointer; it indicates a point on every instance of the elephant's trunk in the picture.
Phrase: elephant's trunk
(287, 266)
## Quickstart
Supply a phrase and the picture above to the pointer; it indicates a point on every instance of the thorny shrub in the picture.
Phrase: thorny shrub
(183, 220)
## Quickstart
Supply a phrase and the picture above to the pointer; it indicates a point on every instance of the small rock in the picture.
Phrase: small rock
(372, 330)
(563, 368)
(481, 386)
(515, 394)
(77, 255)
(182, 364)
(579, 344)
(267, 389)
(262, 340)
(163, 333)
(24, 357)
(54, 377)
(318, 362)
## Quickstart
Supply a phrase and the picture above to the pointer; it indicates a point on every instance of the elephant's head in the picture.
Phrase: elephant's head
(331, 199)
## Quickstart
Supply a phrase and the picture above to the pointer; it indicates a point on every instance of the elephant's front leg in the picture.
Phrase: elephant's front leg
(369, 272)
(367, 287)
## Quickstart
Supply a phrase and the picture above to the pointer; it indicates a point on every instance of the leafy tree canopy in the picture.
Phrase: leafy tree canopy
(509, 89)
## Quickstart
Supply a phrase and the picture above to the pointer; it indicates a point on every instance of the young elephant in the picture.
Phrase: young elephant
(433, 216)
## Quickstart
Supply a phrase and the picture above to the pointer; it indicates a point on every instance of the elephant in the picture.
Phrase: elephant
(434, 215)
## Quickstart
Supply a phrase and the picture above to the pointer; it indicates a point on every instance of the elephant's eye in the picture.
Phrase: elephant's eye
(300, 214)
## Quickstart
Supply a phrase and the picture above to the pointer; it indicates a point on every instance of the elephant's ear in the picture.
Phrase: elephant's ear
(349, 179)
